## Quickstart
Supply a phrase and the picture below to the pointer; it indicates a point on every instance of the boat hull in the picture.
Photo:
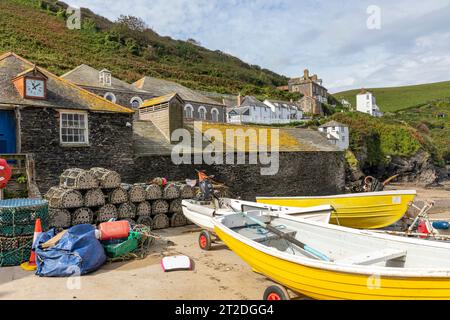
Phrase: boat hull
(326, 284)
(373, 210)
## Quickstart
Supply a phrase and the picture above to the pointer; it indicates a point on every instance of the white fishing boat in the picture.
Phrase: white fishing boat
(325, 261)
(202, 213)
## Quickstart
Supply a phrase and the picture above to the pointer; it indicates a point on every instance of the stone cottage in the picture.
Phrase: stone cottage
(59, 123)
(197, 106)
(312, 89)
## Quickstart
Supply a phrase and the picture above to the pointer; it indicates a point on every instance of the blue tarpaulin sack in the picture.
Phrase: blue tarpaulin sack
(78, 252)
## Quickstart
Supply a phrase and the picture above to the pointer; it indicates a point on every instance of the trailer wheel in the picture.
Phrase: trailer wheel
(204, 240)
(274, 293)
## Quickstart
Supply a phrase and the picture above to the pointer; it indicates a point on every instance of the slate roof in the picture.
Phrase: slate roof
(332, 124)
(149, 142)
(159, 100)
(239, 110)
(60, 92)
(250, 101)
(291, 105)
(290, 139)
(160, 87)
(88, 76)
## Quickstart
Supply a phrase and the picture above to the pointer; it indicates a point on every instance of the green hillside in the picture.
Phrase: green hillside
(433, 120)
(398, 98)
(37, 30)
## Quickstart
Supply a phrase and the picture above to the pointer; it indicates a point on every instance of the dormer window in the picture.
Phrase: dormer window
(105, 77)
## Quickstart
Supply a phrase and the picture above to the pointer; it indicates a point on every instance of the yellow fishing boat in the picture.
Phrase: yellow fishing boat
(338, 262)
(372, 210)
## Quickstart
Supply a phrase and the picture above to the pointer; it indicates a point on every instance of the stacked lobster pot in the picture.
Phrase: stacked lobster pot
(164, 204)
(98, 195)
(81, 197)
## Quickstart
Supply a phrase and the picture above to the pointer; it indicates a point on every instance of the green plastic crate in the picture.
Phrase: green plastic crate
(124, 248)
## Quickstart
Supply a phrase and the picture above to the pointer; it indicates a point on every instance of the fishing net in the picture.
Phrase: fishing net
(145, 241)
(14, 251)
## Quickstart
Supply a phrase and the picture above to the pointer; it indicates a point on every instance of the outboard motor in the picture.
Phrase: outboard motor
(206, 187)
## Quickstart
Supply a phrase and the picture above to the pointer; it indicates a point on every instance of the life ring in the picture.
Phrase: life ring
(5, 173)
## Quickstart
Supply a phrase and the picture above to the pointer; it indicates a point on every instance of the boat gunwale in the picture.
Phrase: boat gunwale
(324, 208)
(342, 267)
(346, 195)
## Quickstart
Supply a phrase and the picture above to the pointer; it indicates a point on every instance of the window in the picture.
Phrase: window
(215, 115)
(202, 113)
(105, 77)
(110, 96)
(189, 111)
(74, 128)
(136, 102)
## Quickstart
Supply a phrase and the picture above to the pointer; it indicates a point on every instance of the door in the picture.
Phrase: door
(7, 132)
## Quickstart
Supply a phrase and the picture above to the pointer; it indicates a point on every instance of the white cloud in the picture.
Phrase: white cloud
(329, 37)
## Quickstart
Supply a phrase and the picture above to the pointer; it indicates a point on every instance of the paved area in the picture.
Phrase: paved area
(217, 274)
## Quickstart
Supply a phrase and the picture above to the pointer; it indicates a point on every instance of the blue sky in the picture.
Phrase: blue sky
(330, 37)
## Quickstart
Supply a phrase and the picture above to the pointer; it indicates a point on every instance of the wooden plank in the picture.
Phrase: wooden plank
(373, 257)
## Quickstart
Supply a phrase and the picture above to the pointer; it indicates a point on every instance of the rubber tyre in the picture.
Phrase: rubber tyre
(274, 293)
(204, 240)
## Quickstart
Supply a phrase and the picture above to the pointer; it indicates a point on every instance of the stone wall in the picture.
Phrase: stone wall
(300, 174)
(111, 144)
(209, 108)
(123, 98)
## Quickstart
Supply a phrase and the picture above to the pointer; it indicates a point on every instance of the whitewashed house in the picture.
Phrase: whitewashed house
(337, 134)
(346, 104)
(367, 103)
(284, 112)
(251, 110)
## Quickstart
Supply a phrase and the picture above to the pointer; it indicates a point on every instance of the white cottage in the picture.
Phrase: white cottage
(337, 134)
(284, 112)
(367, 103)
(251, 110)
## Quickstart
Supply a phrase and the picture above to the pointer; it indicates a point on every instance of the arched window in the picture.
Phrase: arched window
(110, 96)
(189, 111)
(202, 113)
(136, 102)
(215, 115)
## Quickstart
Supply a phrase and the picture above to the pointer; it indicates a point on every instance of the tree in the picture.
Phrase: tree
(193, 41)
(132, 22)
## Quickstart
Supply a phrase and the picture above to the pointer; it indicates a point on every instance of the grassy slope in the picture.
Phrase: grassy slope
(398, 98)
(41, 36)
(426, 119)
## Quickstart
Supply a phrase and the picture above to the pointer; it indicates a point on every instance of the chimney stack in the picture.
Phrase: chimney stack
(239, 100)
(306, 74)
